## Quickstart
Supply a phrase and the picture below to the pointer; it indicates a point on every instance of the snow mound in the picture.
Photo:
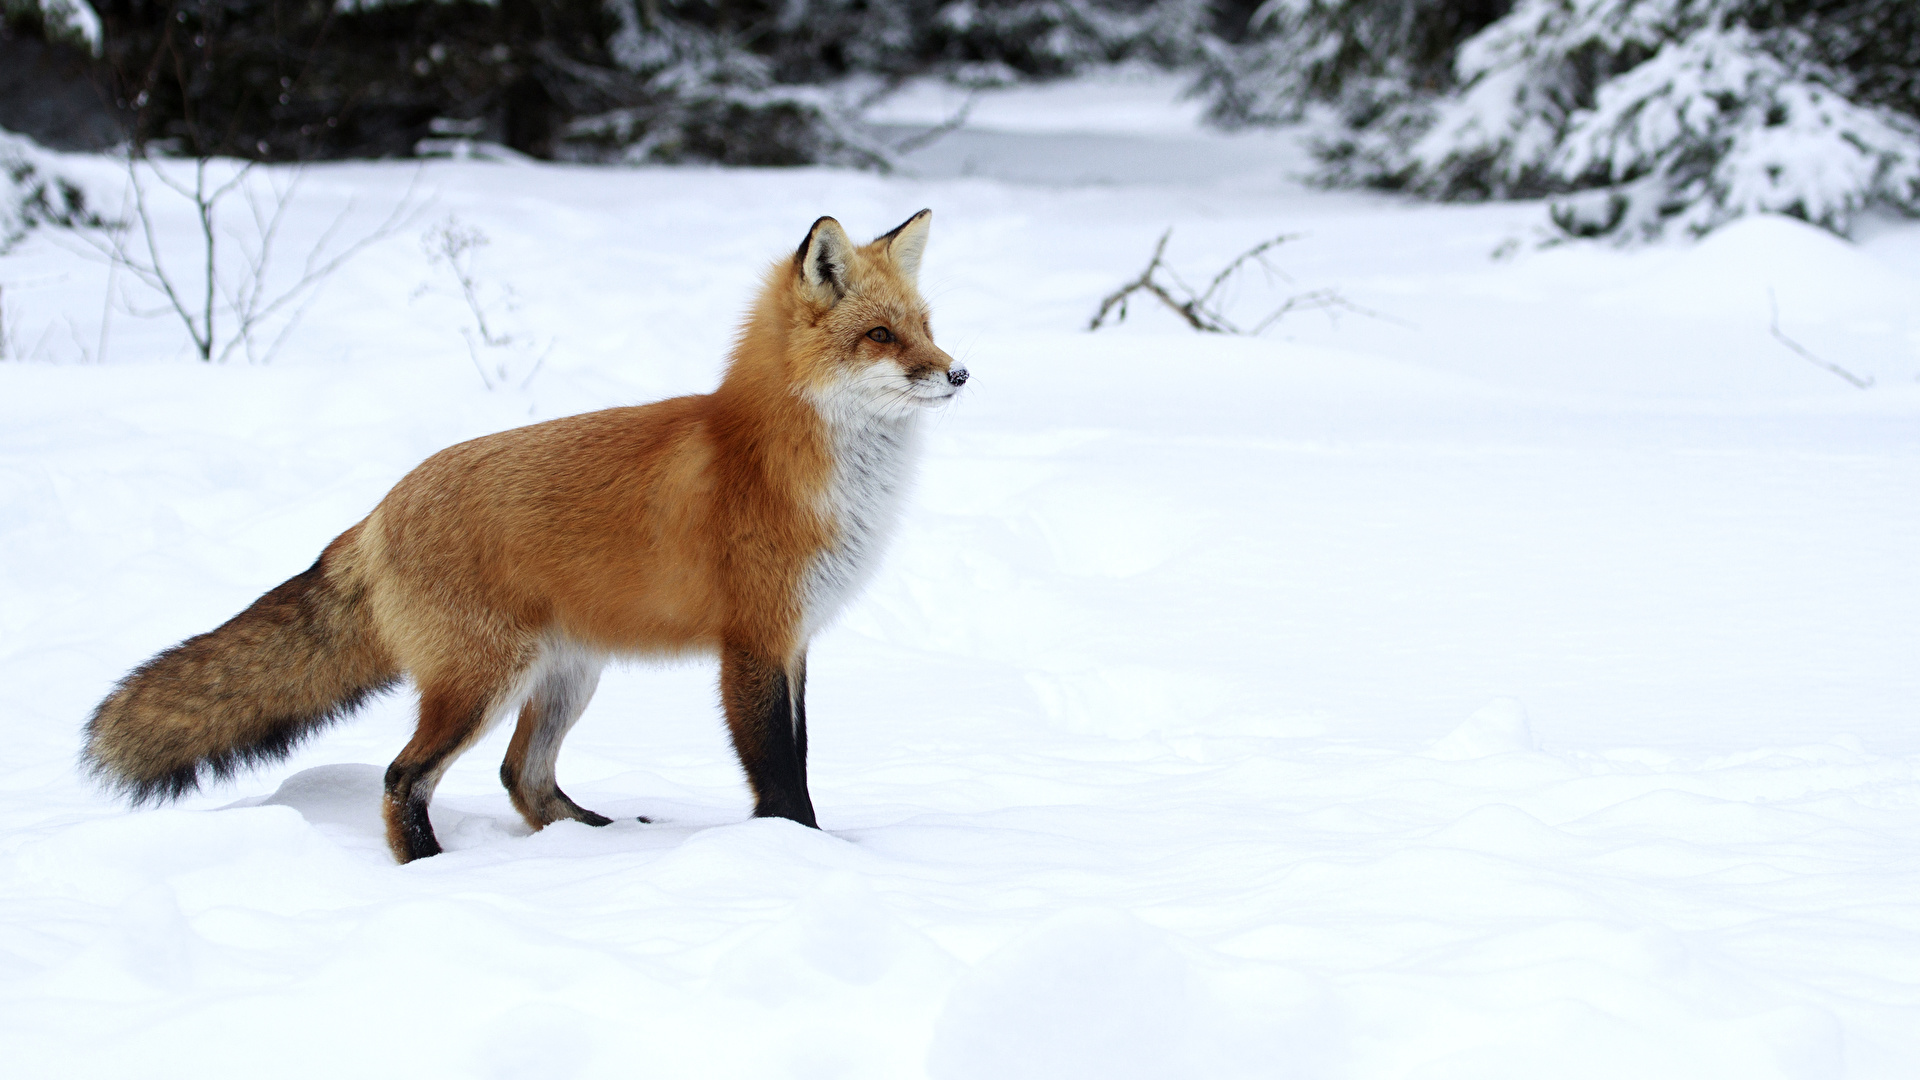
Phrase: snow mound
(1809, 272)
(1498, 727)
(347, 795)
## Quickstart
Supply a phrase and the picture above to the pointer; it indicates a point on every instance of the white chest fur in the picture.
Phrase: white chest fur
(874, 459)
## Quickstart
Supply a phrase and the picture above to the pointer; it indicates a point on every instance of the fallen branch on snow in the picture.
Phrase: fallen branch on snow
(1201, 310)
(1773, 305)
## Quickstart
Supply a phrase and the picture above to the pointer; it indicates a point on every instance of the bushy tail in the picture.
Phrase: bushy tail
(301, 657)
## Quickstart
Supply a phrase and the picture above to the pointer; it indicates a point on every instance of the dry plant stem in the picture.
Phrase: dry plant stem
(456, 246)
(1257, 253)
(1189, 309)
(470, 288)
(1200, 309)
(247, 299)
(1318, 300)
(474, 353)
(106, 305)
(1773, 306)
(153, 271)
(316, 268)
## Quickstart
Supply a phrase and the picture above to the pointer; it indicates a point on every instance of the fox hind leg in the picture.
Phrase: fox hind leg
(559, 696)
(452, 717)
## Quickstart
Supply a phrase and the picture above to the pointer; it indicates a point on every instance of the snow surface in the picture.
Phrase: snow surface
(1519, 683)
(1128, 100)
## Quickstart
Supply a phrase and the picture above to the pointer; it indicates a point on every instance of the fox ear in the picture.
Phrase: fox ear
(907, 242)
(823, 257)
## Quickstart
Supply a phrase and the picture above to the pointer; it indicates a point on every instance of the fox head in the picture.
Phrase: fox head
(857, 337)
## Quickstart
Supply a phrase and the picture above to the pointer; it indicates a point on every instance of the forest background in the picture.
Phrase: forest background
(1636, 116)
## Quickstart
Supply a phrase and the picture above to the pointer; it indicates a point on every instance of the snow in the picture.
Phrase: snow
(1126, 125)
(1131, 100)
(1809, 271)
(1517, 683)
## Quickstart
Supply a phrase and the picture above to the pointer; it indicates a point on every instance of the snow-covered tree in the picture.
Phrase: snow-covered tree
(1642, 115)
(1361, 56)
(694, 91)
(735, 77)
(31, 194)
(72, 21)
(1054, 37)
(1723, 123)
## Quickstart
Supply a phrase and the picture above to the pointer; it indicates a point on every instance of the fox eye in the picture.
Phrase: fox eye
(880, 334)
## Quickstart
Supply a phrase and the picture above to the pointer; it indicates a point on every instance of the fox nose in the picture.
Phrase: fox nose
(957, 376)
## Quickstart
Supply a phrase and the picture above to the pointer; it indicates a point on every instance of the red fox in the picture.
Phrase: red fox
(505, 572)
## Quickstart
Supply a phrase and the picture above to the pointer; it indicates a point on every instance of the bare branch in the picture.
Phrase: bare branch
(456, 246)
(206, 207)
(1254, 252)
(314, 270)
(1773, 306)
(233, 266)
(247, 296)
(1145, 280)
(160, 279)
(1201, 310)
(474, 352)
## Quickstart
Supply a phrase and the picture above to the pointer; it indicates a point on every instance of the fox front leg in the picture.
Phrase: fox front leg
(765, 702)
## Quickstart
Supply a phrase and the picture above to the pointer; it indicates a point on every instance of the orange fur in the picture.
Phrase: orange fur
(501, 572)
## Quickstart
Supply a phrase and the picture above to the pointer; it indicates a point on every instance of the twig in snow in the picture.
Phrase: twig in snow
(1201, 310)
(1773, 306)
(1146, 283)
(454, 245)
